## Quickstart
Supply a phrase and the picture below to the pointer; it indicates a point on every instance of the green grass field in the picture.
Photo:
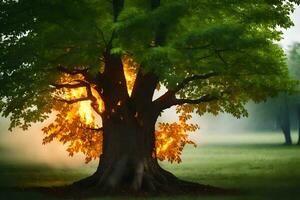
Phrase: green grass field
(260, 170)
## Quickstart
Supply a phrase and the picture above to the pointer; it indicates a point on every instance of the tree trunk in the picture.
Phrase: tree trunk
(298, 126)
(285, 121)
(128, 161)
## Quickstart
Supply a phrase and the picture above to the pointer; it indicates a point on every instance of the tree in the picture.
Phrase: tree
(284, 118)
(294, 67)
(71, 55)
(282, 111)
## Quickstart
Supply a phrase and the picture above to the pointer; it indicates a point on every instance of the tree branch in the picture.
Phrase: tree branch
(72, 101)
(93, 129)
(102, 35)
(195, 48)
(72, 72)
(170, 95)
(144, 88)
(187, 80)
(67, 85)
(221, 58)
(79, 84)
(203, 99)
(169, 98)
(172, 101)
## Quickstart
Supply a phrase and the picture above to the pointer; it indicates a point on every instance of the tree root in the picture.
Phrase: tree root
(153, 182)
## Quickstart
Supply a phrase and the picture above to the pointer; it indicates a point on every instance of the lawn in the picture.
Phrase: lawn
(260, 170)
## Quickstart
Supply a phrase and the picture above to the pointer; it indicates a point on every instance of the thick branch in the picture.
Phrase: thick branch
(93, 129)
(169, 98)
(170, 95)
(187, 80)
(168, 102)
(90, 96)
(79, 84)
(203, 99)
(72, 72)
(144, 87)
(117, 8)
(72, 101)
(67, 85)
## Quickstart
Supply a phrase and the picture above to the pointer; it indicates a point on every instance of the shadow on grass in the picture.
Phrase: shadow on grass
(69, 192)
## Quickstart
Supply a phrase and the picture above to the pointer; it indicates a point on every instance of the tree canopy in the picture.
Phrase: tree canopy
(212, 56)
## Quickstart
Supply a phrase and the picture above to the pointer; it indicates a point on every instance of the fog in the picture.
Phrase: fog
(26, 146)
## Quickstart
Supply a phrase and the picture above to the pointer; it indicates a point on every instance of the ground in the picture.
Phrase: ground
(256, 164)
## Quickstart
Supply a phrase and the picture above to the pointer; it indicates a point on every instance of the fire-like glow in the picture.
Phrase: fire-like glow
(84, 107)
(76, 123)
(85, 112)
(165, 145)
(130, 68)
(170, 139)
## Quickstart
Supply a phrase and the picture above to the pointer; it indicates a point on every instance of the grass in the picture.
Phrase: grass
(260, 170)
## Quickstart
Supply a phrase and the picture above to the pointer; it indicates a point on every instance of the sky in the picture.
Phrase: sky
(292, 34)
(30, 142)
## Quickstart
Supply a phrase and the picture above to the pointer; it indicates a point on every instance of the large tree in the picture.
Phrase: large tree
(212, 56)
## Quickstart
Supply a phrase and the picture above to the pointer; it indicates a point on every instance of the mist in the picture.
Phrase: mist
(26, 146)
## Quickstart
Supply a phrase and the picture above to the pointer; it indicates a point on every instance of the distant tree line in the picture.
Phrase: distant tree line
(283, 111)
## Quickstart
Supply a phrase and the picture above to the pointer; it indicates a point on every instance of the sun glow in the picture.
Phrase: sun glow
(170, 139)
(83, 108)
(77, 126)
(130, 69)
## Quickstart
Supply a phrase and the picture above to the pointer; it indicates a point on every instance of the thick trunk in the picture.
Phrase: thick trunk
(127, 162)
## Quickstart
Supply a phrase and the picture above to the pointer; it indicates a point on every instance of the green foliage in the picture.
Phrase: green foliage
(274, 109)
(294, 61)
(294, 70)
(234, 39)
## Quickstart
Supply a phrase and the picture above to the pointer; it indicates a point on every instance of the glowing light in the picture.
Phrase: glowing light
(165, 145)
(83, 109)
(130, 69)
(170, 139)
(76, 123)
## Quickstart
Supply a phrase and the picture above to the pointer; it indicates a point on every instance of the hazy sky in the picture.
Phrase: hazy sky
(292, 34)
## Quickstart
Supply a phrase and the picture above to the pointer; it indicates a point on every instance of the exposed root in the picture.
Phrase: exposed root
(156, 181)
(126, 177)
(161, 183)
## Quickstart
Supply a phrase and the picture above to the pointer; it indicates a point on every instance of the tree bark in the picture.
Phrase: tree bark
(285, 121)
(128, 161)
